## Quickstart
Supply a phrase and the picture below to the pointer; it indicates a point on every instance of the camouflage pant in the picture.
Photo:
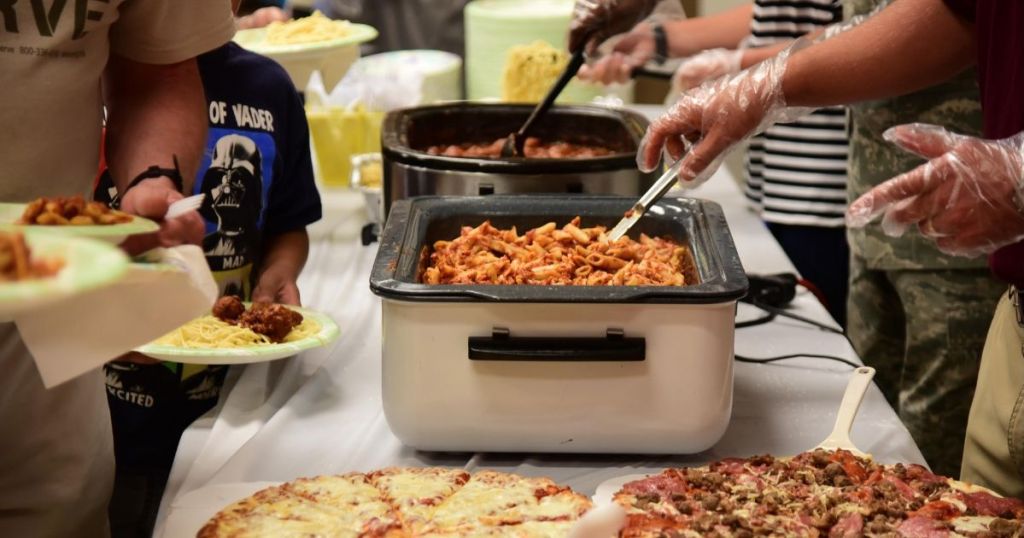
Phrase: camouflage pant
(923, 331)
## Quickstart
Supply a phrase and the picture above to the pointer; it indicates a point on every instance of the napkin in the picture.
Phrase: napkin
(74, 336)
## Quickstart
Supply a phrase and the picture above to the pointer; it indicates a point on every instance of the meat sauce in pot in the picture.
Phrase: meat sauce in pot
(533, 149)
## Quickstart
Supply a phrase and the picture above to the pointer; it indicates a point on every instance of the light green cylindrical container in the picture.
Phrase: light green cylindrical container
(494, 26)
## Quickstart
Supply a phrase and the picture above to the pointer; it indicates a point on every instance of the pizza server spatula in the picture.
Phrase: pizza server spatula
(855, 390)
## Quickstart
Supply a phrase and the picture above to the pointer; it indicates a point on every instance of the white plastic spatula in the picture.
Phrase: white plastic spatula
(602, 521)
(855, 390)
(179, 208)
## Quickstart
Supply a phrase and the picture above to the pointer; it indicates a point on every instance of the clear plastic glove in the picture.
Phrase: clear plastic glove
(631, 51)
(706, 65)
(594, 21)
(967, 197)
(711, 119)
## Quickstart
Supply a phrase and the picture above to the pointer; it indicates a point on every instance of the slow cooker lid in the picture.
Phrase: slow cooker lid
(415, 224)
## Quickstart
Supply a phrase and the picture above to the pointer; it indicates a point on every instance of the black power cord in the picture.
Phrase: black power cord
(771, 293)
(769, 360)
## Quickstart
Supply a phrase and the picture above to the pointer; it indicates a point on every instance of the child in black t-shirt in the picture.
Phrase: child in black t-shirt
(257, 175)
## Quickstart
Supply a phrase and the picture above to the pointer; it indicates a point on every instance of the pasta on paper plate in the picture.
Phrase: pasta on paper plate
(235, 334)
(308, 34)
(312, 29)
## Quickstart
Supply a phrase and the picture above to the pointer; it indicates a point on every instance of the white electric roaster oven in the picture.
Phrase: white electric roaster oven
(601, 369)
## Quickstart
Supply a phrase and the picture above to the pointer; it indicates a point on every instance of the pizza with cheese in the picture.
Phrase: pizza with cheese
(818, 493)
(404, 502)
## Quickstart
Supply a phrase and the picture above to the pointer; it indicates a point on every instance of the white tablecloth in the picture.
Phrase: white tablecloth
(321, 412)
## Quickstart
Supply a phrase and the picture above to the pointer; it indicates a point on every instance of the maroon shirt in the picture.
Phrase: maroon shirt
(999, 33)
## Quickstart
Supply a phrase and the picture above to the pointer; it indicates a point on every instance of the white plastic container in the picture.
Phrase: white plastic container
(623, 369)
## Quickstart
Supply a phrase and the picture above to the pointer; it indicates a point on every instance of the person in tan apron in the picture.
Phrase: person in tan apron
(56, 461)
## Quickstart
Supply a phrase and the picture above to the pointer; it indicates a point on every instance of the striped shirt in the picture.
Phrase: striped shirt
(796, 172)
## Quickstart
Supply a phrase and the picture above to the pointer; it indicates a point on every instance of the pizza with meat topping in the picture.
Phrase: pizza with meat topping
(404, 503)
(818, 493)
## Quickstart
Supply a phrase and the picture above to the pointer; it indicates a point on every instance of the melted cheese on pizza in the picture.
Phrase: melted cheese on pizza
(274, 512)
(497, 499)
(418, 492)
(405, 502)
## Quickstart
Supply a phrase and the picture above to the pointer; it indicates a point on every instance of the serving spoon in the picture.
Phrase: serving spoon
(513, 145)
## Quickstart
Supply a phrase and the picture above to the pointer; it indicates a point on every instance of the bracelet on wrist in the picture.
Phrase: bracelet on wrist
(153, 172)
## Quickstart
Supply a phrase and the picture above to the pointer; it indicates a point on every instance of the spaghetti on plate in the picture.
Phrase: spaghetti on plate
(210, 332)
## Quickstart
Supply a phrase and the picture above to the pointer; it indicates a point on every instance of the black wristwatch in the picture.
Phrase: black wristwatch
(660, 43)
(173, 174)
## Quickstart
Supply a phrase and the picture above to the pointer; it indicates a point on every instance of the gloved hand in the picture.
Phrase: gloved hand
(967, 197)
(594, 21)
(711, 119)
(631, 51)
(706, 65)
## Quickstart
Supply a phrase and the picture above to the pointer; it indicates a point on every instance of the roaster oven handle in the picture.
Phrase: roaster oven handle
(500, 346)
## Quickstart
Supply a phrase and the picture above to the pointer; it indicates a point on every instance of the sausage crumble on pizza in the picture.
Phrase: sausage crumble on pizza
(404, 502)
(818, 493)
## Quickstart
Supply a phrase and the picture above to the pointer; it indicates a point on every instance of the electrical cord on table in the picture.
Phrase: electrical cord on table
(771, 293)
(768, 360)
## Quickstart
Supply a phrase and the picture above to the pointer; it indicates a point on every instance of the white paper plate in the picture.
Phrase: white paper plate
(245, 355)
(255, 39)
(188, 513)
(88, 265)
(111, 233)
(332, 57)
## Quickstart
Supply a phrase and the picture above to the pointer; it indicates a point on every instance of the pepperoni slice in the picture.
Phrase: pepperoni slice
(922, 527)
(661, 485)
(937, 510)
(729, 466)
(849, 526)
(901, 486)
(987, 504)
(916, 472)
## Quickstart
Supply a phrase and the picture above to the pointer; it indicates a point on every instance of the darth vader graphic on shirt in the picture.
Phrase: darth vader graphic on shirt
(235, 177)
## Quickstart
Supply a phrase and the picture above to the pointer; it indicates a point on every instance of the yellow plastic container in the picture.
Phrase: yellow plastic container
(338, 134)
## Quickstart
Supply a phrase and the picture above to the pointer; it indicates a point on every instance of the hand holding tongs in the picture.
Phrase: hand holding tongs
(649, 198)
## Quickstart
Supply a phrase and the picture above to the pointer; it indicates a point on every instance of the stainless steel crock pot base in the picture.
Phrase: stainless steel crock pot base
(406, 181)
(678, 400)
(419, 222)
(410, 171)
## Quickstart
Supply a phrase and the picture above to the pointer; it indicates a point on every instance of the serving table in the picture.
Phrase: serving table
(320, 412)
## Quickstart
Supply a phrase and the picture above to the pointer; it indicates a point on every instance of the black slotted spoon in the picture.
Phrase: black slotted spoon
(513, 145)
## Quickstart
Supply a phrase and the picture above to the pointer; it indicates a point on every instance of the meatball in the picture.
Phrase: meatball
(228, 308)
(271, 320)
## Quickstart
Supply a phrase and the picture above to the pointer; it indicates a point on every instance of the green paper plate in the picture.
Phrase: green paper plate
(244, 355)
(255, 39)
(110, 233)
(88, 265)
